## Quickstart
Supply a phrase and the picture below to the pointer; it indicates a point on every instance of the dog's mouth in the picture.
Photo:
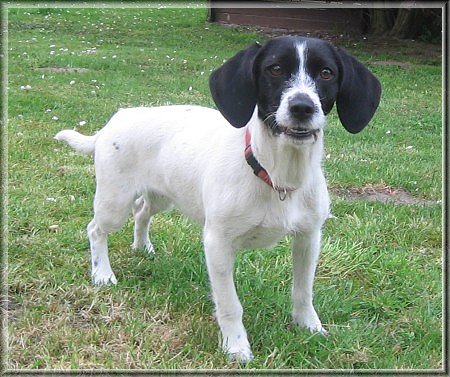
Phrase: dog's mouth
(299, 133)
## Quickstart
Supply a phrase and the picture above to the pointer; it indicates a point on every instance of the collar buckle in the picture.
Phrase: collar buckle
(282, 193)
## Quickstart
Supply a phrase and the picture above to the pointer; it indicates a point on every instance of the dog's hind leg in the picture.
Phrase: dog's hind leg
(101, 271)
(143, 210)
(111, 210)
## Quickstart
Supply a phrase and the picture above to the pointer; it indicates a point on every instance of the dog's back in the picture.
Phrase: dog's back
(142, 148)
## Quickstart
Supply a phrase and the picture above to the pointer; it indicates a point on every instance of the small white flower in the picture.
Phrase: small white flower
(19, 134)
(410, 147)
(82, 123)
(72, 82)
(71, 198)
(52, 52)
(54, 117)
(388, 132)
(190, 88)
(48, 110)
(50, 199)
(25, 87)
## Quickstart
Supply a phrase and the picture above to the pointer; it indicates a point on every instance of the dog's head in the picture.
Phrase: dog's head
(294, 82)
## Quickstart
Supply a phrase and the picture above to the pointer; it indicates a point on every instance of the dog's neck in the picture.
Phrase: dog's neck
(288, 165)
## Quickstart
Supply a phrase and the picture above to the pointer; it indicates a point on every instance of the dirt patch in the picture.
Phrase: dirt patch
(381, 193)
(63, 69)
(399, 50)
(392, 63)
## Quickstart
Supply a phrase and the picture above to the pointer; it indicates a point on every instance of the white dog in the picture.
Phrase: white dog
(250, 173)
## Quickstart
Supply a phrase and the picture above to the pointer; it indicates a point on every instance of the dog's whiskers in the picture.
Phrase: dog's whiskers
(271, 121)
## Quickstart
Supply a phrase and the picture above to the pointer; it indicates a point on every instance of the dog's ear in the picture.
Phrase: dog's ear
(359, 94)
(233, 87)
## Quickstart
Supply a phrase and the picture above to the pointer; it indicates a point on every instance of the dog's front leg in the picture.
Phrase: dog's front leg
(220, 262)
(305, 255)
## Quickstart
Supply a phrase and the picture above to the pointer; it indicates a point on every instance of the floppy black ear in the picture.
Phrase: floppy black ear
(233, 88)
(359, 94)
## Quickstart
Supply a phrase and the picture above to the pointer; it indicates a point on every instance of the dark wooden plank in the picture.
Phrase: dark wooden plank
(299, 19)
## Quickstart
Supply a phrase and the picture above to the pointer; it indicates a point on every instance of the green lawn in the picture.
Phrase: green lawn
(378, 285)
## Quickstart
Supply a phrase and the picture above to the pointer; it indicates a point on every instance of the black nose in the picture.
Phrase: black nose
(301, 107)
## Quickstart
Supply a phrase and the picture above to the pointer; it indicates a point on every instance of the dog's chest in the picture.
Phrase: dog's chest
(279, 219)
(259, 237)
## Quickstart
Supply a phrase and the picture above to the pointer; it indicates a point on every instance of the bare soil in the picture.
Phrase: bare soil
(381, 193)
(63, 69)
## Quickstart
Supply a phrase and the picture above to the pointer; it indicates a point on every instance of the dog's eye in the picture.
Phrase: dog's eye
(275, 70)
(326, 73)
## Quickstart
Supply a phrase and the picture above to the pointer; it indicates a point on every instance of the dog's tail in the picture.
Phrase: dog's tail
(81, 143)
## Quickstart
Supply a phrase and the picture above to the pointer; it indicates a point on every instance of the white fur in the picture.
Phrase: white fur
(149, 158)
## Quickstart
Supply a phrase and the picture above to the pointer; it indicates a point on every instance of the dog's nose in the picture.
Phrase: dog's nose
(301, 107)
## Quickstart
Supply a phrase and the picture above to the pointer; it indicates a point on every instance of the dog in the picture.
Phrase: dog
(249, 173)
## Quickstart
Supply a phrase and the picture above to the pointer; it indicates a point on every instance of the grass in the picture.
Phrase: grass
(378, 286)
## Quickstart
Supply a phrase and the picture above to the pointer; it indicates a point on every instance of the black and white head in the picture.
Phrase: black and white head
(294, 82)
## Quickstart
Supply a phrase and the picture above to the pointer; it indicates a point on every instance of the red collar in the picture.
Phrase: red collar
(259, 170)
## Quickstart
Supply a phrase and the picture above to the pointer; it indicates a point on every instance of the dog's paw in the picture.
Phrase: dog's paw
(239, 350)
(310, 320)
(240, 355)
(147, 246)
(104, 279)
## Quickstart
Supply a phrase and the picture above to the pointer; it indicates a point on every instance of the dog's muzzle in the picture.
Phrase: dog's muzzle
(299, 121)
